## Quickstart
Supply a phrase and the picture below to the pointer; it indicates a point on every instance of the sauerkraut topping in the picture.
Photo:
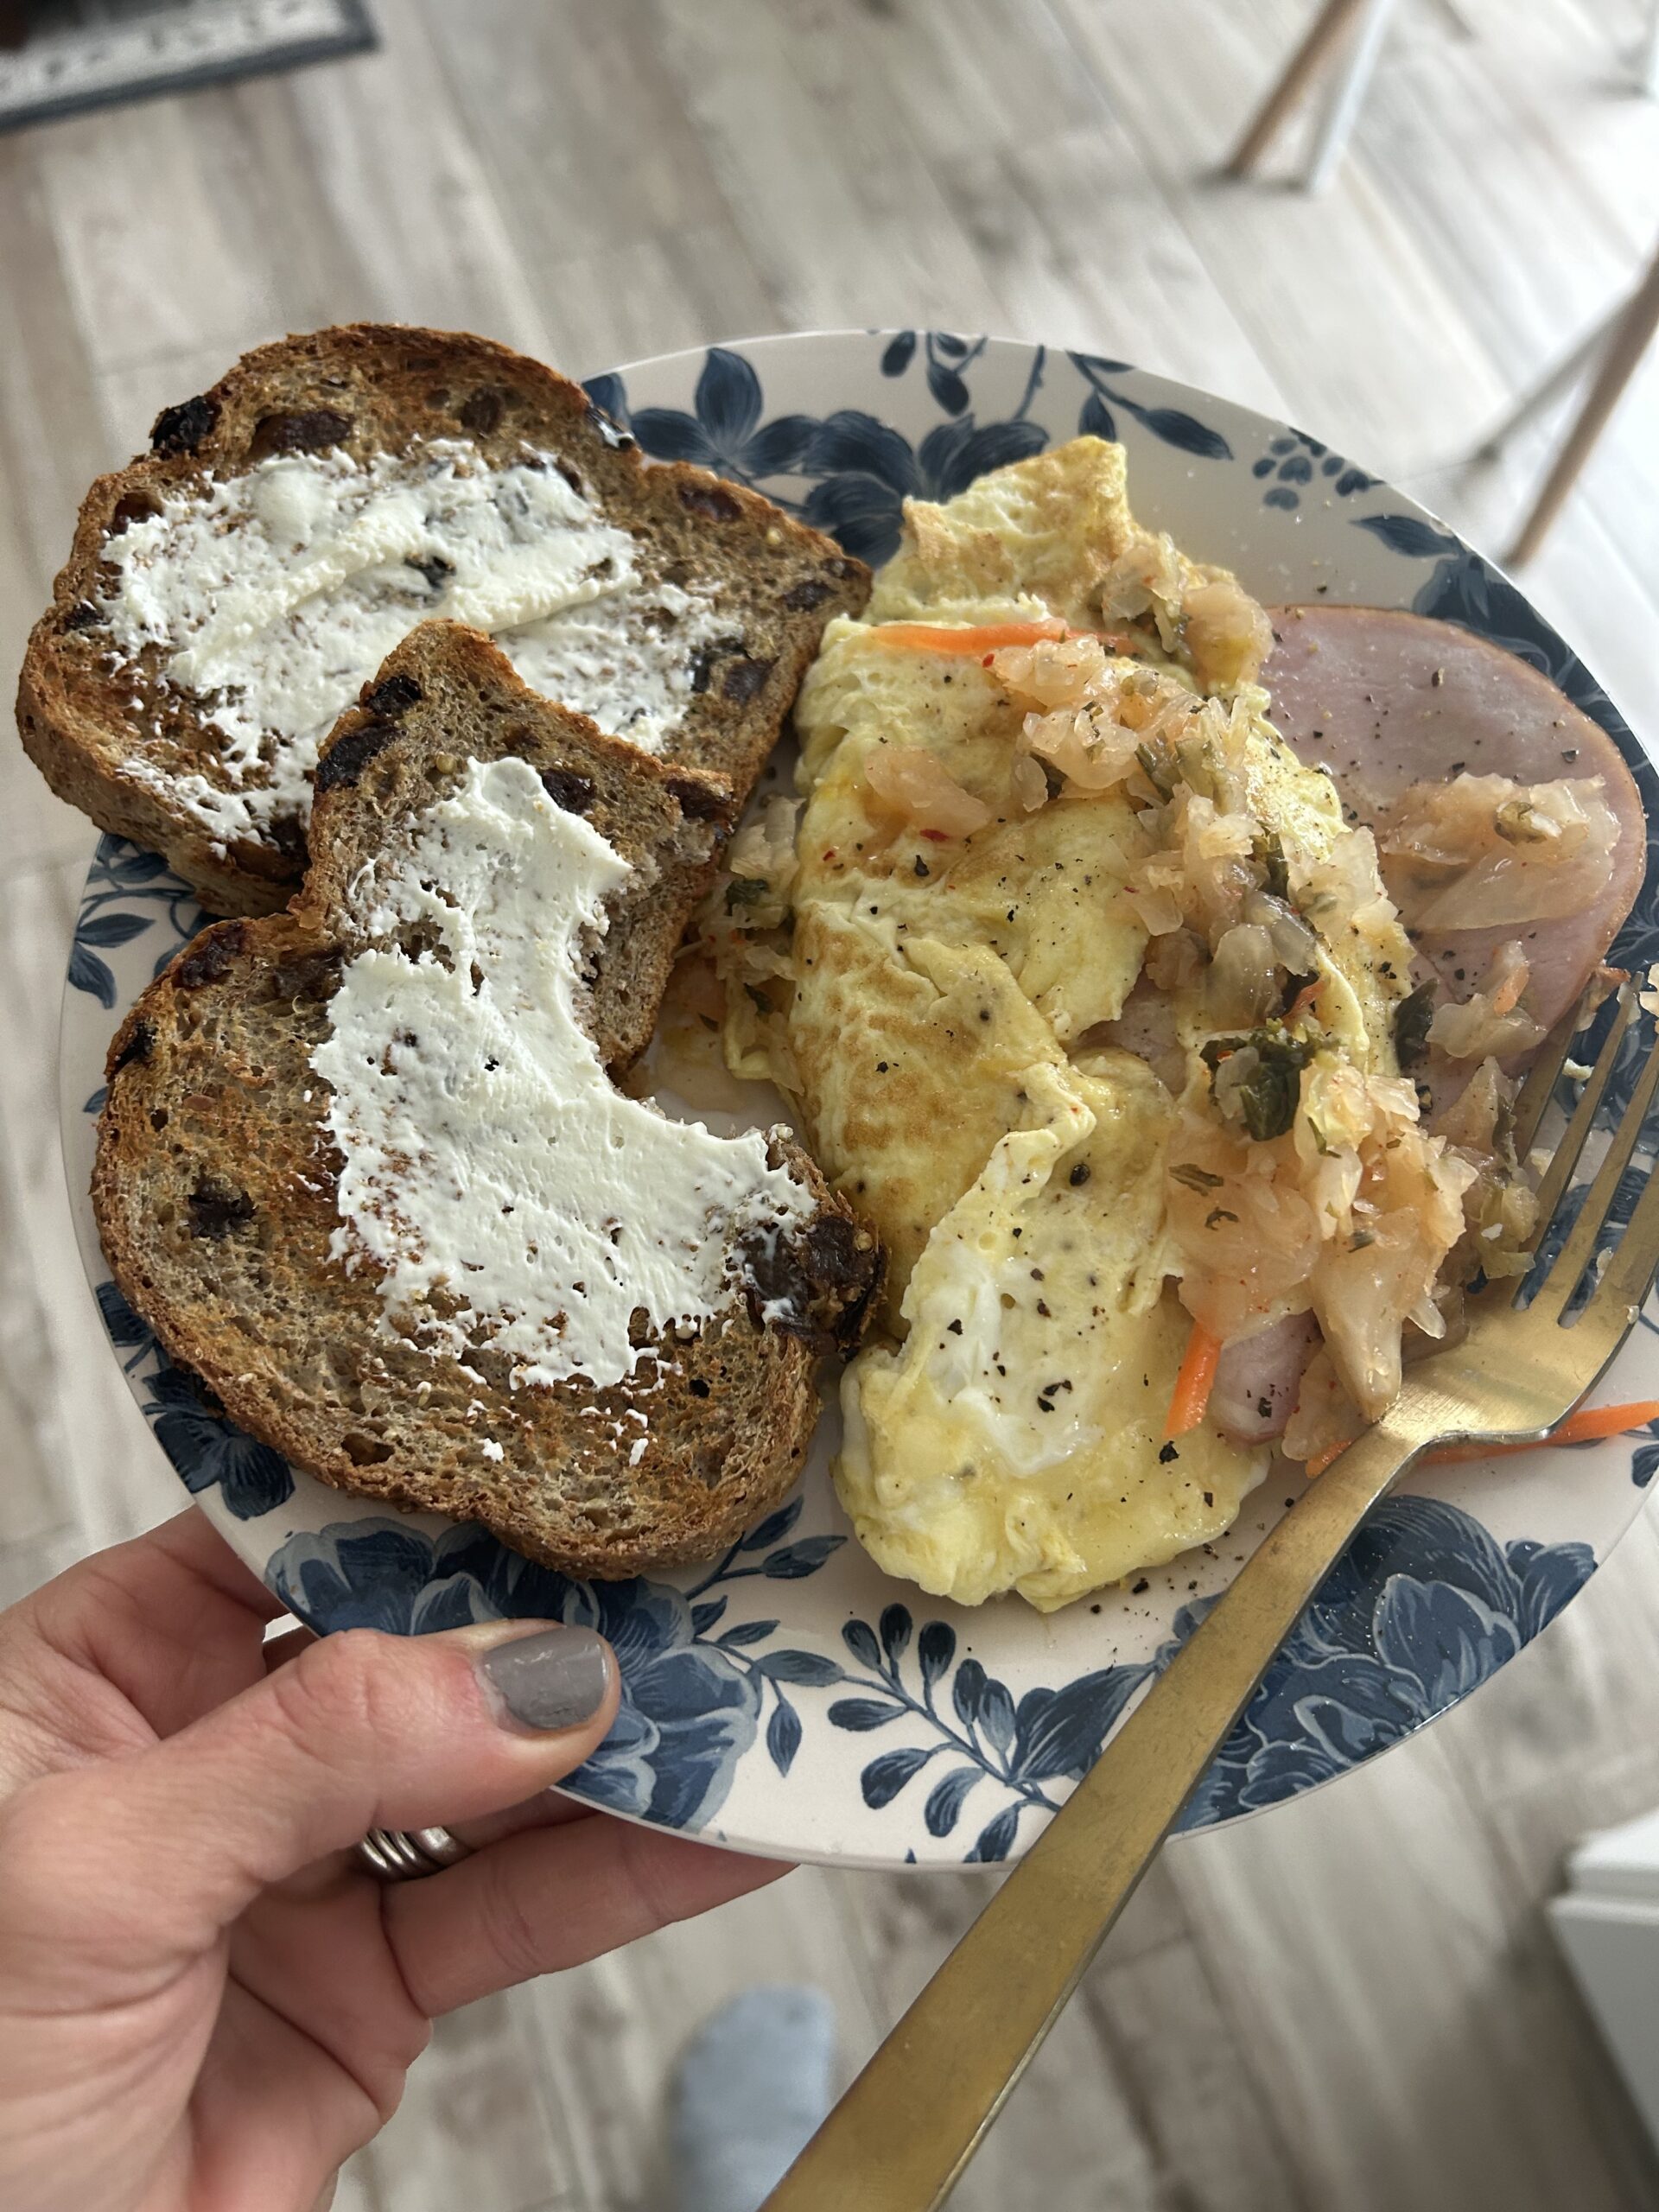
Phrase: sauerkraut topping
(1344, 1207)
(1102, 722)
(917, 787)
(1500, 1208)
(1491, 1022)
(742, 936)
(1481, 852)
(1212, 625)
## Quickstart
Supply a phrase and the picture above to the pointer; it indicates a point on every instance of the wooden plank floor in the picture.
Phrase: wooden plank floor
(1351, 2005)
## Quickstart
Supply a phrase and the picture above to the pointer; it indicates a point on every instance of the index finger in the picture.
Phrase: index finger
(548, 1898)
(172, 1620)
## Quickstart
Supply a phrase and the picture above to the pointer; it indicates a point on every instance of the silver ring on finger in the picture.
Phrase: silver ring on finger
(410, 1854)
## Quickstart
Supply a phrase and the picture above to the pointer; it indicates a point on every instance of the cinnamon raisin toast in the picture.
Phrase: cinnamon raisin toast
(226, 1173)
(228, 592)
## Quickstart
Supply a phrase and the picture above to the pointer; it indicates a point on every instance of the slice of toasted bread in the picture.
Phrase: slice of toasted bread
(218, 1184)
(723, 602)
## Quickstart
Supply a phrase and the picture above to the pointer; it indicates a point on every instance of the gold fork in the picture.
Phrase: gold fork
(899, 2139)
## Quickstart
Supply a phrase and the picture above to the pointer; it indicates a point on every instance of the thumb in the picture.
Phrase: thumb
(139, 1859)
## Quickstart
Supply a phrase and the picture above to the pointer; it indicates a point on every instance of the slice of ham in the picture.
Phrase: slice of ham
(1257, 1379)
(1385, 699)
(1147, 1028)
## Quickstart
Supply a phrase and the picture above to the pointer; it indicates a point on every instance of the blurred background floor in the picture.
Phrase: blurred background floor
(1352, 2003)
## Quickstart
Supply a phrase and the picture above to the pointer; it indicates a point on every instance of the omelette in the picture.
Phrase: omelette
(1088, 997)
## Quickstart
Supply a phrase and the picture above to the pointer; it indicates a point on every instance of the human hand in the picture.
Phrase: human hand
(204, 2002)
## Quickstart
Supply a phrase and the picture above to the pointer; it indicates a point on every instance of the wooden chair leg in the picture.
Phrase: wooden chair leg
(1347, 94)
(1329, 27)
(1624, 351)
(1566, 372)
(1646, 59)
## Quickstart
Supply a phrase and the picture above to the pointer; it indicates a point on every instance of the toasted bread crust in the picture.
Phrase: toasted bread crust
(368, 388)
(214, 1188)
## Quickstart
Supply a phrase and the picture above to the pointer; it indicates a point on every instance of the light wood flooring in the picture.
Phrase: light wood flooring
(1351, 2005)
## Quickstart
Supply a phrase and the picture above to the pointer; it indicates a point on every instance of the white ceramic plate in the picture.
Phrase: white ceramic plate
(789, 1698)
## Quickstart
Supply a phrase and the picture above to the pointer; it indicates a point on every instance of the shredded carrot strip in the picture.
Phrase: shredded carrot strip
(971, 638)
(1584, 1426)
(1193, 1383)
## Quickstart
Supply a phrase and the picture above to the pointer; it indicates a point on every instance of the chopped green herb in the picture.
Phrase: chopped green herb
(1296, 981)
(1275, 872)
(1503, 1129)
(1515, 823)
(1216, 1214)
(1263, 1080)
(1158, 765)
(1411, 1020)
(1194, 1177)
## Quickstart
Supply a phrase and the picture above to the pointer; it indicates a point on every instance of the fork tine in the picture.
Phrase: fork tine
(1536, 1093)
(1559, 1173)
(1575, 1255)
(1629, 1271)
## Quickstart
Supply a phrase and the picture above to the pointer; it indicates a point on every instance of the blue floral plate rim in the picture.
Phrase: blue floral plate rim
(751, 1684)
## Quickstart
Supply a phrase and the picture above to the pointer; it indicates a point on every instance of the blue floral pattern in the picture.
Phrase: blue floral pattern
(688, 1710)
(1293, 461)
(128, 893)
(208, 1452)
(858, 470)
(725, 432)
(786, 1690)
(1172, 426)
(946, 358)
(1049, 1735)
(1423, 1606)
(126, 1330)
(867, 471)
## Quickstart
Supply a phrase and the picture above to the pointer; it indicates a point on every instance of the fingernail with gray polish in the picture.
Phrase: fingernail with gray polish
(554, 1678)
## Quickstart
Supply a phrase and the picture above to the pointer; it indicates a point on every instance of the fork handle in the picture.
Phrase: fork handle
(899, 2140)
